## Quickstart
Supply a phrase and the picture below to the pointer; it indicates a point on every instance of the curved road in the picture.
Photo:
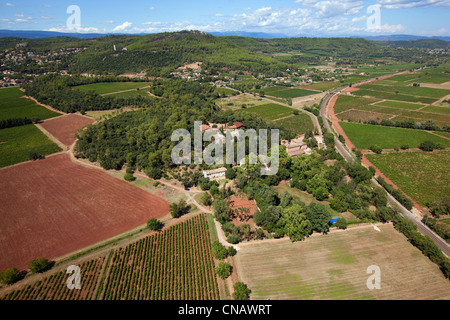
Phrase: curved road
(422, 228)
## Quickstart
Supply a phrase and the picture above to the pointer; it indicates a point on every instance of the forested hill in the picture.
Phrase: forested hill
(341, 47)
(160, 54)
(421, 43)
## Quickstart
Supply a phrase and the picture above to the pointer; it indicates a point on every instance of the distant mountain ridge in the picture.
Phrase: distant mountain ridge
(46, 34)
(35, 34)
(404, 37)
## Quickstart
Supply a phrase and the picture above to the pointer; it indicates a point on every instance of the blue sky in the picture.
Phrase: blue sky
(290, 17)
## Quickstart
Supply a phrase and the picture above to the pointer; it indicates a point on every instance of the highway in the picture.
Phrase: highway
(422, 228)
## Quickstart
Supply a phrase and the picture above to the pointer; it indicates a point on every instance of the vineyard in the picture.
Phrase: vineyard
(55, 288)
(175, 264)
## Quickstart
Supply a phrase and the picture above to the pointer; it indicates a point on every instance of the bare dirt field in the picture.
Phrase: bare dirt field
(445, 85)
(243, 209)
(64, 128)
(53, 207)
(334, 267)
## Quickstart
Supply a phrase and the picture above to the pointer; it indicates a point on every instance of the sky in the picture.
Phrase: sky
(287, 17)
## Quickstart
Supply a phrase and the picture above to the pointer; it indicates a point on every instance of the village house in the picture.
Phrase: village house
(216, 173)
(295, 148)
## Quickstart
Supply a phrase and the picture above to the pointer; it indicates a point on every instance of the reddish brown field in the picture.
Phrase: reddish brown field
(243, 209)
(53, 207)
(64, 128)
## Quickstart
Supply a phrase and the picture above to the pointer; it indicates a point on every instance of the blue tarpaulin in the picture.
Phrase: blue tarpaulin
(334, 220)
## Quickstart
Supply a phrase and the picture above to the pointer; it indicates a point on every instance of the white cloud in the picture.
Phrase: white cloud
(333, 8)
(21, 18)
(151, 9)
(308, 17)
(87, 30)
(123, 26)
(8, 4)
(79, 30)
(387, 28)
(404, 4)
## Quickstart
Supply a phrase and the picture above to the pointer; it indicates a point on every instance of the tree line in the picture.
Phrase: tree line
(60, 93)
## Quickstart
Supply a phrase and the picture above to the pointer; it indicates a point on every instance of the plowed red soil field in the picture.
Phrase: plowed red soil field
(53, 207)
(64, 128)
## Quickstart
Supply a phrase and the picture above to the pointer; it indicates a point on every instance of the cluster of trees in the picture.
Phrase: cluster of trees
(224, 269)
(314, 109)
(142, 139)
(236, 234)
(17, 122)
(179, 209)
(429, 146)
(294, 219)
(424, 243)
(397, 194)
(440, 206)
(154, 224)
(59, 92)
(347, 187)
(12, 275)
(428, 125)
(439, 227)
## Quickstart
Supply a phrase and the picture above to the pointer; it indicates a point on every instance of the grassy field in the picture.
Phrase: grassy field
(408, 90)
(365, 109)
(236, 102)
(109, 87)
(322, 86)
(364, 136)
(132, 94)
(12, 106)
(422, 175)
(271, 111)
(394, 96)
(440, 110)
(298, 124)
(16, 143)
(272, 89)
(445, 134)
(400, 105)
(334, 267)
(292, 93)
(226, 91)
(345, 103)
(434, 76)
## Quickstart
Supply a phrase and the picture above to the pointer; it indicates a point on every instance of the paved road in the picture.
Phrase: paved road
(422, 228)
(323, 113)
